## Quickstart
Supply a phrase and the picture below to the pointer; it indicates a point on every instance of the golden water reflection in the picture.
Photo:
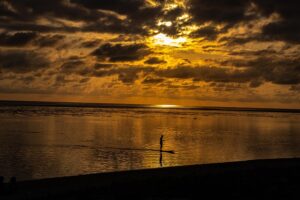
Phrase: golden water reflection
(49, 142)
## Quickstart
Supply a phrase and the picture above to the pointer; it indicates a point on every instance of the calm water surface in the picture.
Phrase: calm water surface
(39, 142)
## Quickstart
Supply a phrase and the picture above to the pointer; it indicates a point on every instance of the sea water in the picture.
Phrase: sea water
(41, 142)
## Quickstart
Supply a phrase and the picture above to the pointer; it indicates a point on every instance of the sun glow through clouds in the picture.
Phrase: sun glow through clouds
(164, 23)
(163, 39)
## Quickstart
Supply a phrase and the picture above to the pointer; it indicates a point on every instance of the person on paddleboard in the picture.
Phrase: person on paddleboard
(161, 141)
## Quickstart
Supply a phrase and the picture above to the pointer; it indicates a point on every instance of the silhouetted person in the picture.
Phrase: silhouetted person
(161, 141)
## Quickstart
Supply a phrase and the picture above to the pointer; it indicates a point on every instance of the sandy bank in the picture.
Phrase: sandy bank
(246, 180)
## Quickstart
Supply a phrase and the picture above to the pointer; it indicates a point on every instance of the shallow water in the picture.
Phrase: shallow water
(39, 142)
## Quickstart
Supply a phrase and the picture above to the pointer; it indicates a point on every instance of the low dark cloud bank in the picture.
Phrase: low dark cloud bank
(17, 39)
(22, 61)
(119, 52)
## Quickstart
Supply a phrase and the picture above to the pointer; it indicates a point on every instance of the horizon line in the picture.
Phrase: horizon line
(153, 106)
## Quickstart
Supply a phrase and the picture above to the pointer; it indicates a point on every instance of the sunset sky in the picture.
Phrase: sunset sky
(188, 52)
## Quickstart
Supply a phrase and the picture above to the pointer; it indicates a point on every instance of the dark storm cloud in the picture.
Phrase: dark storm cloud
(175, 87)
(231, 12)
(226, 87)
(78, 66)
(97, 26)
(22, 61)
(207, 74)
(73, 66)
(20, 39)
(226, 12)
(134, 9)
(233, 40)
(26, 12)
(258, 71)
(120, 52)
(5, 11)
(90, 44)
(126, 75)
(49, 40)
(150, 80)
(254, 72)
(170, 30)
(17, 39)
(33, 27)
(137, 12)
(220, 11)
(138, 17)
(286, 29)
(270, 33)
(209, 33)
(129, 76)
(283, 71)
(119, 6)
(23, 90)
(267, 52)
(154, 60)
(172, 14)
(111, 27)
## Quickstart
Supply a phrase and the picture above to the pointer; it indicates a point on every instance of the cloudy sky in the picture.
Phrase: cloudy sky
(190, 52)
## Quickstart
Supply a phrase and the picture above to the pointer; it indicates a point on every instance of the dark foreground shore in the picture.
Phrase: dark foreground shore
(240, 180)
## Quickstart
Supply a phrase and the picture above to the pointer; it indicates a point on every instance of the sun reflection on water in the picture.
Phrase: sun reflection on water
(166, 106)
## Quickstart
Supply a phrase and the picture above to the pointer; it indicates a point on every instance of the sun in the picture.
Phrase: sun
(163, 39)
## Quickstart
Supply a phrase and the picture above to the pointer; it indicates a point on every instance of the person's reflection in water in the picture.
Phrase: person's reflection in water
(161, 151)
(160, 158)
(161, 142)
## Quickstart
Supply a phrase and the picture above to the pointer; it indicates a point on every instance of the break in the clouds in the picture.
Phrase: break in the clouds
(164, 50)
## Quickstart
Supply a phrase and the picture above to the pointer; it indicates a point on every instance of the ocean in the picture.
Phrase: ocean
(43, 140)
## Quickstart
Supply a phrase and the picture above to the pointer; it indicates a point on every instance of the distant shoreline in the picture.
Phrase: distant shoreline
(137, 106)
